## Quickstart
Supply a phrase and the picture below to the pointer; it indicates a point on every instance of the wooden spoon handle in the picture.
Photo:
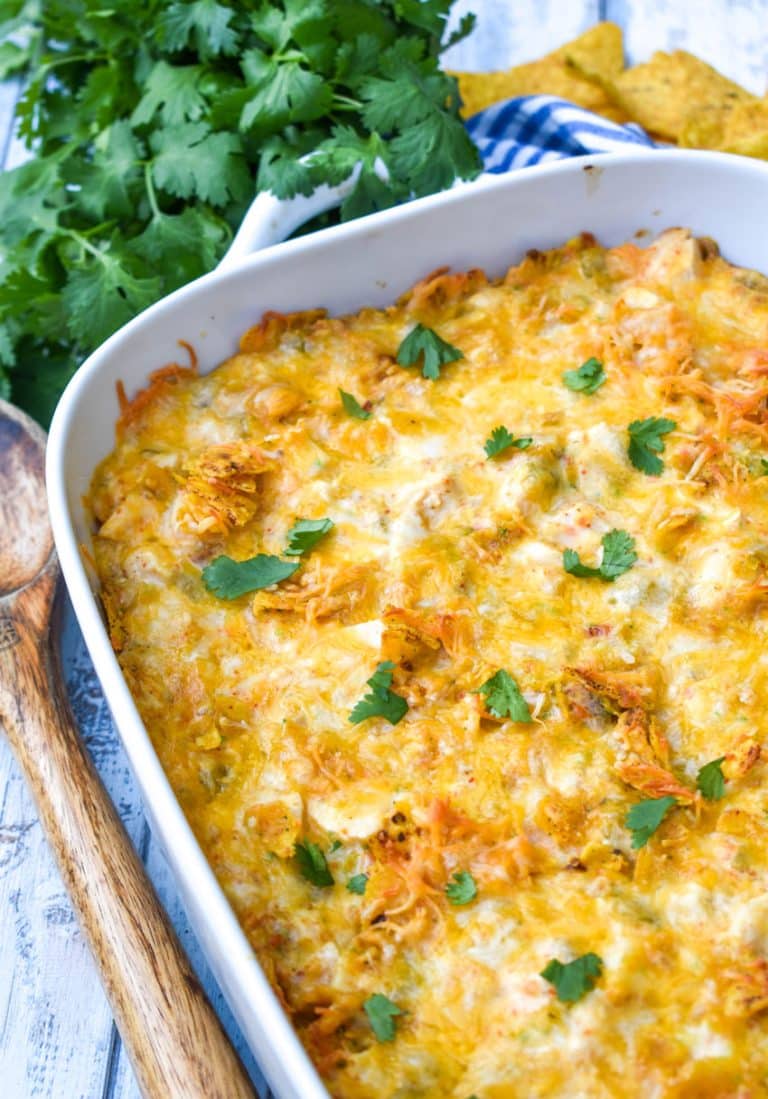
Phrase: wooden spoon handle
(175, 1042)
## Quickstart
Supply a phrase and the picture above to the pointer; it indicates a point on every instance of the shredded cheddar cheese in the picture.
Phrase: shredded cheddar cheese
(407, 877)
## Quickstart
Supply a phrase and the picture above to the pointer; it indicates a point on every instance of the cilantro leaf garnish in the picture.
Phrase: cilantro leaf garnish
(312, 864)
(462, 889)
(646, 441)
(230, 579)
(572, 980)
(587, 379)
(501, 439)
(571, 563)
(151, 131)
(763, 467)
(711, 780)
(618, 554)
(380, 700)
(422, 341)
(352, 406)
(618, 557)
(644, 818)
(503, 698)
(305, 534)
(357, 884)
(382, 1012)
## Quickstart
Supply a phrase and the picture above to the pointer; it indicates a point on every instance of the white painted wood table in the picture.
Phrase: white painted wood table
(57, 1038)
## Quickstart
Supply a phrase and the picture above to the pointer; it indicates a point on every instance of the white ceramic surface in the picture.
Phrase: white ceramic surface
(367, 262)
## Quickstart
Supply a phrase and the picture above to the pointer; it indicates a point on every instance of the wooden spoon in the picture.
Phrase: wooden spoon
(174, 1039)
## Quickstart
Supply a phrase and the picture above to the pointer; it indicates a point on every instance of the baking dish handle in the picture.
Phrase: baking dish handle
(270, 220)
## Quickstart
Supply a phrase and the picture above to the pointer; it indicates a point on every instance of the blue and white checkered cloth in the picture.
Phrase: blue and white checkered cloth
(532, 129)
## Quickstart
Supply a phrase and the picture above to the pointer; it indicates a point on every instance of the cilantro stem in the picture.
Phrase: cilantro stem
(345, 102)
(85, 244)
(57, 62)
(151, 195)
(100, 229)
(288, 55)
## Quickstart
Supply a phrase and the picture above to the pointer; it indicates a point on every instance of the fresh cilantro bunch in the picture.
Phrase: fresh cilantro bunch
(153, 126)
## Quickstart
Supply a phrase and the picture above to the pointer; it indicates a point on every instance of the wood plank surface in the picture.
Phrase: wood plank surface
(508, 32)
(57, 1039)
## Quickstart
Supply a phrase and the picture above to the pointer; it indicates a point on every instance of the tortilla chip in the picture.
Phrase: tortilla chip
(600, 50)
(674, 96)
(743, 129)
(704, 127)
(755, 145)
(573, 72)
(659, 94)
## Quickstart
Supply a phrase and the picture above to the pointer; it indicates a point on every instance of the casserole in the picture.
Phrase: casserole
(368, 262)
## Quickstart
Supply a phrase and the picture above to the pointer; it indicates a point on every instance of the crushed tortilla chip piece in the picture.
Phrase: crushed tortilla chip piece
(666, 93)
(574, 72)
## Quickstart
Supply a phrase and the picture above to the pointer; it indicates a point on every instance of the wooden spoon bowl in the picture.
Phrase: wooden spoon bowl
(173, 1037)
(23, 507)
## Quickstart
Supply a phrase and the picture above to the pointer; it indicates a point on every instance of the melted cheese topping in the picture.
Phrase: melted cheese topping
(451, 566)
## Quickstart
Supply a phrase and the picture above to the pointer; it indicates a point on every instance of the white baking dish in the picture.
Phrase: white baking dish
(489, 224)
